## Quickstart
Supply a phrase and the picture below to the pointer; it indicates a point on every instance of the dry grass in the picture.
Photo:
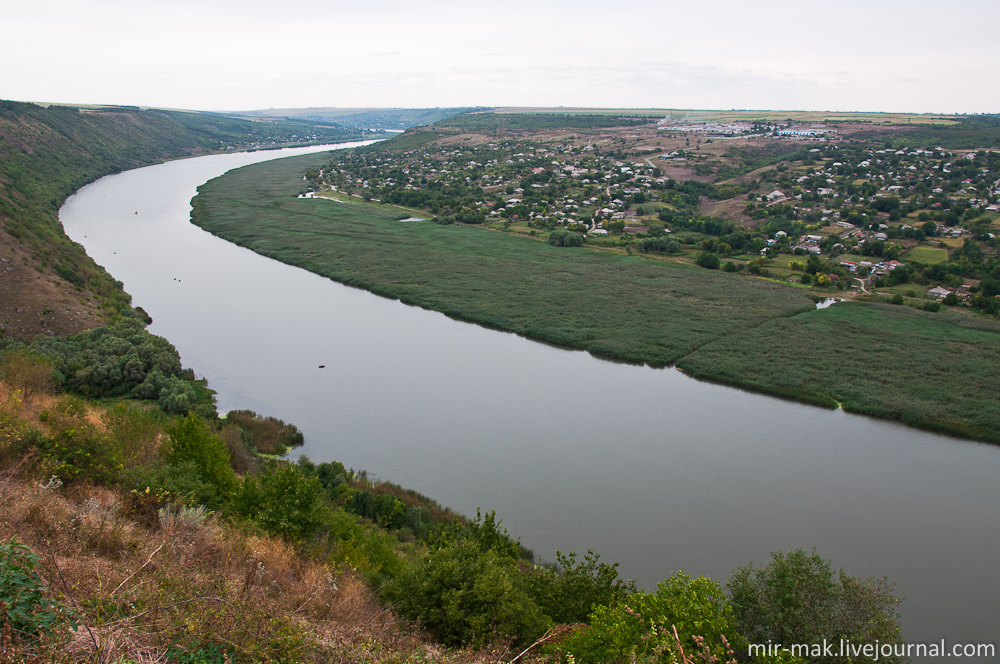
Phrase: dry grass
(140, 590)
(142, 582)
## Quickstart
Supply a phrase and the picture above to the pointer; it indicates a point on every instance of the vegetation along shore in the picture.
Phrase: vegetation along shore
(703, 245)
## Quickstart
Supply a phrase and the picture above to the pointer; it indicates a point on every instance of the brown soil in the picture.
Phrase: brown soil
(36, 302)
(731, 209)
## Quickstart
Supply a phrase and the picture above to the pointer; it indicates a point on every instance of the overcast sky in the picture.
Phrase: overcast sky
(839, 55)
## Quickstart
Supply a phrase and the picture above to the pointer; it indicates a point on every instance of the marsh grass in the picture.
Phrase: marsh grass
(619, 307)
(935, 371)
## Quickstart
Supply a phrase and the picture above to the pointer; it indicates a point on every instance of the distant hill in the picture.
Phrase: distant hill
(361, 118)
(48, 284)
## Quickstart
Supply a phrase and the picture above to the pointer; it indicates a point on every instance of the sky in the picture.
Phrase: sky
(839, 55)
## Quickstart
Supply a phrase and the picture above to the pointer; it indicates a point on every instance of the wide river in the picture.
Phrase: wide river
(648, 467)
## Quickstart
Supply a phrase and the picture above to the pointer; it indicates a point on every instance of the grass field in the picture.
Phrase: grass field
(931, 370)
(927, 255)
(614, 306)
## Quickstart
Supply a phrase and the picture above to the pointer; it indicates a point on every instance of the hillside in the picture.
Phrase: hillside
(47, 282)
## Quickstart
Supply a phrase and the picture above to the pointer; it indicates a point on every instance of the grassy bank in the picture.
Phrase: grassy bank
(935, 371)
(614, 306)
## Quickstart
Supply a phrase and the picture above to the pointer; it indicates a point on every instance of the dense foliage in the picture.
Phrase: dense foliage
(26, 608)
(120, 360)
(798, 598)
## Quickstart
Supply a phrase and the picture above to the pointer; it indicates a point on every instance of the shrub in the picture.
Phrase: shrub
(174, 484)
(660, 244)
(730, 266)
(25, 608)
(641, 627)
(74, 449)
(191, 441)
(708, 260)
(561, 238)
(283, 502)
(26, 371)
(798, 598)
(465, 595)
(570, 592)
(267, 435)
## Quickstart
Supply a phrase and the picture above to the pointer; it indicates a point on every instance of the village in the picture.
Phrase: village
(825, 211)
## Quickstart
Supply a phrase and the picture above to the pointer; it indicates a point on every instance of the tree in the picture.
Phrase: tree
(561, 238)
(799, 599)
(707, 260)
(191, 441)
(283, 502)
(570, 592)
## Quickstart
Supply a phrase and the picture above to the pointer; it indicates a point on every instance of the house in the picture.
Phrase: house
(938, 293)
(774, 195)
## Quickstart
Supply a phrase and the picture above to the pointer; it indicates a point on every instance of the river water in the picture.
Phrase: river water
(649, 467)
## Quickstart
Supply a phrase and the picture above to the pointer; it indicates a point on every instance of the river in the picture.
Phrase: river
(649, 467)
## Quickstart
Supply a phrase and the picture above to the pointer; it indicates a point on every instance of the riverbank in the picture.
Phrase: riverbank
(627, 308)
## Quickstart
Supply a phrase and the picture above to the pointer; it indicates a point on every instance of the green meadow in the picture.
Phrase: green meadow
(936, 371)
(618, 307)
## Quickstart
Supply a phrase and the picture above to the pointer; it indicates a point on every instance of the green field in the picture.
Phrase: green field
(614, 306)
(938, 371)
(934, 371)
(927, 255)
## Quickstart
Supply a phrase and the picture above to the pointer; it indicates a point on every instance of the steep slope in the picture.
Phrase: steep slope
(48, 284)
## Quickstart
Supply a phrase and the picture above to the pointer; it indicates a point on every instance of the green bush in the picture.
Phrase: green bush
(192, 441)
(570, 592)
(25, 608)
(641, 627)
(708, 260)
(561, 238)
(283, 502)
(179, 484)
(466, 595)
(798, 598)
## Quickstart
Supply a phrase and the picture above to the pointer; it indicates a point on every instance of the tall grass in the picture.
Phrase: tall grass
(936, 371)
(619, 307)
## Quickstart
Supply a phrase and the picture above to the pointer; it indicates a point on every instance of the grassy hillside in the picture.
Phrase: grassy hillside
(614, 306)
(47, 282)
